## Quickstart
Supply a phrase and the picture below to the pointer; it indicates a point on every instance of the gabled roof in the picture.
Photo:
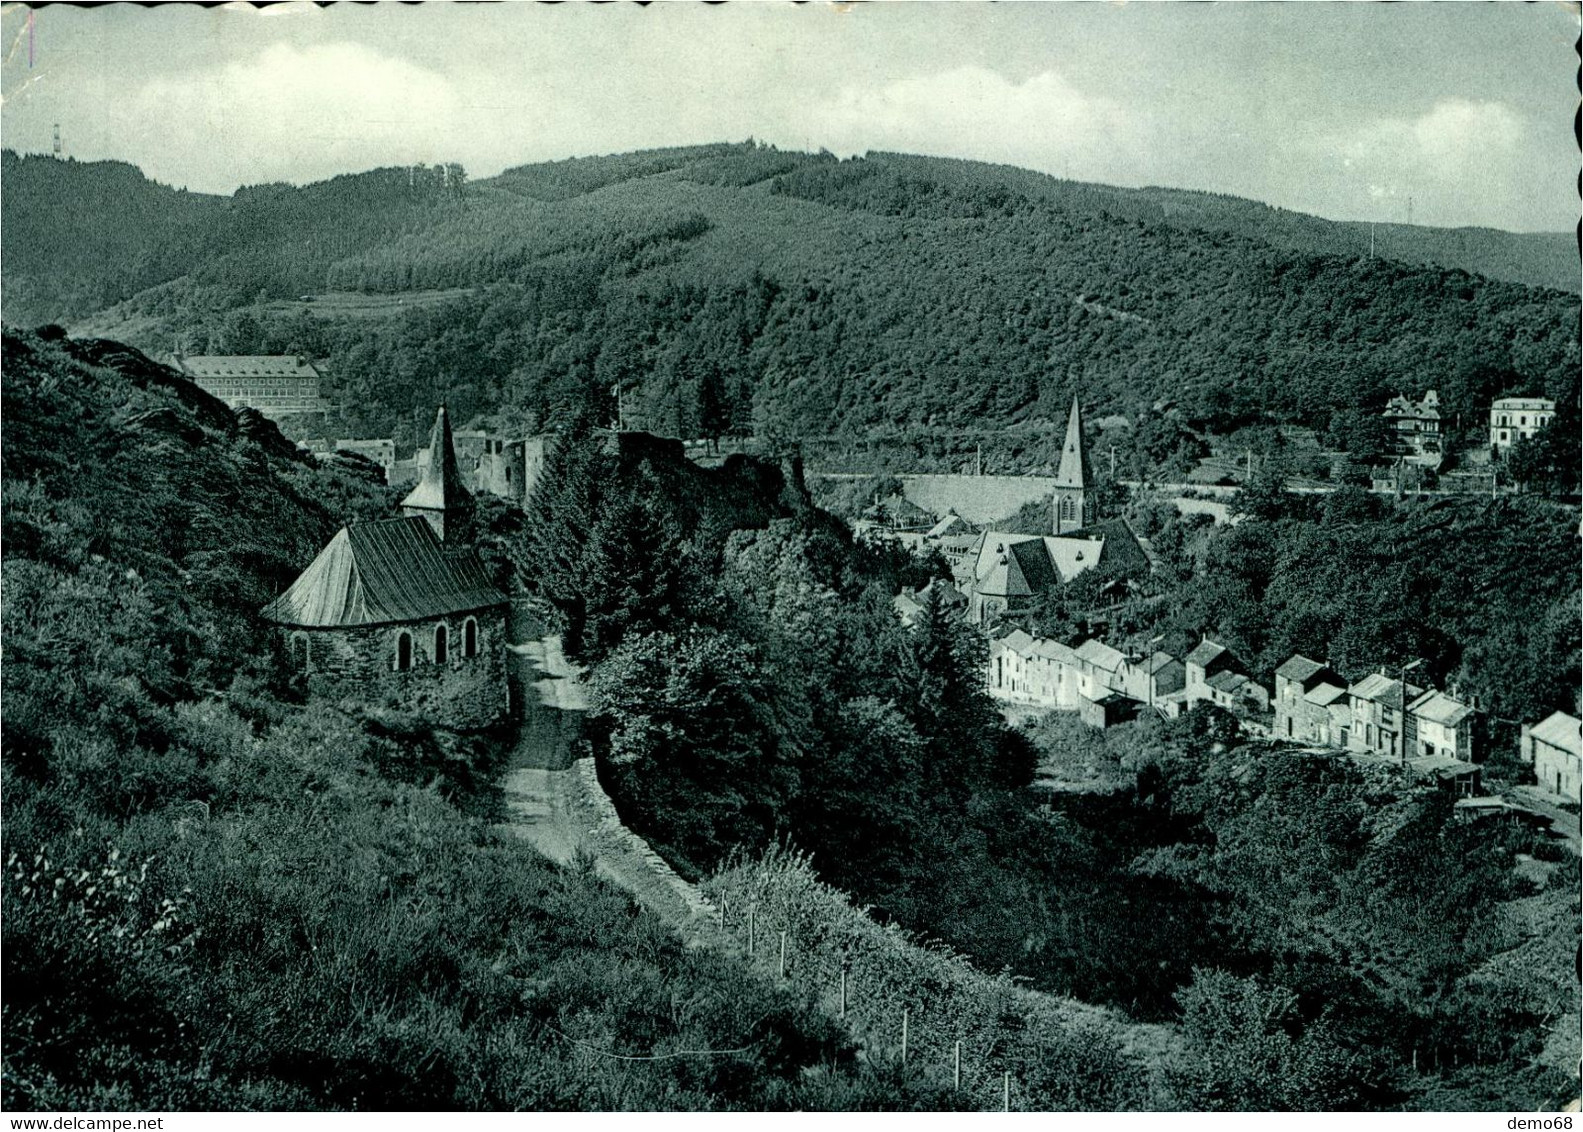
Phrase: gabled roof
(1073, 470)
(1325, 694)
(1300, 668)
(248, 365)
(384, 572)
(952, 524)
(1011, 565)
(1372, 686)
(1100, 655)
(1437, 707)
(1121, 549)
(1158, 661)
(441, 488)
(1205, 653)
(1017, 641)
(1560, 730)
(1226, 681)
(1053, 650)
(1072, 554)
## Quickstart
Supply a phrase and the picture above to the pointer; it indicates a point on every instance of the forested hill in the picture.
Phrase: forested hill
(738, 288)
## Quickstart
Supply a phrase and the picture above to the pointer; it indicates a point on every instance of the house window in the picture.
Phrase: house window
(403, 651)
(470, 637)
(440, 642)
(299, 651)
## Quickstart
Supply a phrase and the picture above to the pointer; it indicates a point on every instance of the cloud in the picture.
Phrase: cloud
(1452, 159)
(291, 112)
(1044, 122)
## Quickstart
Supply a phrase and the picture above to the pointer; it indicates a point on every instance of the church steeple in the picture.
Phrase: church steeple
(1074, 509)
(440, 496)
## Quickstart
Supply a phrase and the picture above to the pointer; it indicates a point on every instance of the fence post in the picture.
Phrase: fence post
(904, 1015)
(751, 926)
(842, 1013)
(956, 1069)
(1005, 1092)
(783, 954)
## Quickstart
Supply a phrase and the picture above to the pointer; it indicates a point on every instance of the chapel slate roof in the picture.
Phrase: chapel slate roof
(384, 572)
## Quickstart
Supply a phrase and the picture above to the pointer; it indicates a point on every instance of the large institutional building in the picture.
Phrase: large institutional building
(275, 386)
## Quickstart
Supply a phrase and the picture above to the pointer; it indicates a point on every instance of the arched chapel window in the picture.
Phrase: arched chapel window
(441, 639)
(403, 651)
(470, 638)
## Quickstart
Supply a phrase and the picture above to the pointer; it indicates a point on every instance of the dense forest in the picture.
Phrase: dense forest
(1323, 935)
(736, 289)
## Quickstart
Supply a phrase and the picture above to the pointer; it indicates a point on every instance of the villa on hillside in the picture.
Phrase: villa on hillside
(1415, 427)
(1518, 418)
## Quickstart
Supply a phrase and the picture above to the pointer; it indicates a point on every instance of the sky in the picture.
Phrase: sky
(1457, 113)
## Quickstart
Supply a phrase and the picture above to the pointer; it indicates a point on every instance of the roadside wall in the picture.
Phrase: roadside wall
(627, 858)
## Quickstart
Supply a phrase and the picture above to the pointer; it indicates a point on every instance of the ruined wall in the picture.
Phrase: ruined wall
(360, 663)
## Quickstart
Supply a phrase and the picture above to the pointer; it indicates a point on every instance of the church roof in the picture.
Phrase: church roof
(1074, 553)
(383, 572)
(441, 487)
(1074, 470)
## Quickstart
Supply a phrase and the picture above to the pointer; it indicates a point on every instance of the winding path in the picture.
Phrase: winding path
(555, 802)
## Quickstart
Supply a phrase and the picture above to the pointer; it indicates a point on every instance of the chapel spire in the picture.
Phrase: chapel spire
(441, 497)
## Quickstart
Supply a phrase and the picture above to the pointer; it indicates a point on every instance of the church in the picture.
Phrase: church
(1006, 572)
(400, 613)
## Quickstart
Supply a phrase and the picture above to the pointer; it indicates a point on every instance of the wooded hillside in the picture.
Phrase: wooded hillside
(739, 288)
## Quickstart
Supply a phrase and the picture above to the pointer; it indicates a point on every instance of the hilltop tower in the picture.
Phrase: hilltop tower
(1074, 503)
(440, 496)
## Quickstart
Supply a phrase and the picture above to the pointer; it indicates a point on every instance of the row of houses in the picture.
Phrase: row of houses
(1427, 731)
(1105, 685)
